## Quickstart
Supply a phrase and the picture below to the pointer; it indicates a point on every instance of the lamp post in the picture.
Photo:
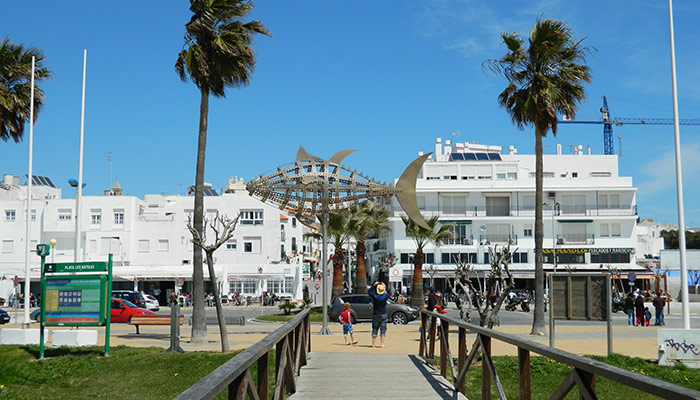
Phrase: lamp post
(52, 242)
(553, 205)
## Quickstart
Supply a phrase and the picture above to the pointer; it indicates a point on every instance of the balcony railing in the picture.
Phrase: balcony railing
(576, 239)
(523, 211)
(492, 238)
(464, 241)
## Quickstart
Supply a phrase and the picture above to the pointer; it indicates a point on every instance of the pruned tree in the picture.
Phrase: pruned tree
(617, 280)
(223, 228)
(499, 279)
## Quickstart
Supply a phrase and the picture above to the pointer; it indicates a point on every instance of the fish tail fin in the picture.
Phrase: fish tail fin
(407, 196)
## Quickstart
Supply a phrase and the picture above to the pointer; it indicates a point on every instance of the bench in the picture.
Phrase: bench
(235, 320)
(137, 320)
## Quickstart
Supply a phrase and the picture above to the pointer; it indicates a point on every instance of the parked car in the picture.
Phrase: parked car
(4, 317)
(35, 315)
(123, 310)
(130, 295)
(152, 303)
(361, 309)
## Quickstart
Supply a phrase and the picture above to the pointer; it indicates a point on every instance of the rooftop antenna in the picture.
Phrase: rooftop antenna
(619, 144)
(109, 160)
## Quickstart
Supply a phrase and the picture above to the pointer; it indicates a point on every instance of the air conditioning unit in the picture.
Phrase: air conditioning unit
(561, 241)
(551, 195)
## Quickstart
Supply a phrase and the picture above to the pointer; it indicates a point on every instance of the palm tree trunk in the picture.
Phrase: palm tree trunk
(337, 274)
(538, 327)
(417, 287)
(217, 300)
(199, 326)
(361, 269)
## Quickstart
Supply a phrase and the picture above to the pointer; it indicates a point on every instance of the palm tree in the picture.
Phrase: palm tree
(544, 80)
(423, 237)
(217, 55)
(15, 87)
(370, 219)
(339, 229)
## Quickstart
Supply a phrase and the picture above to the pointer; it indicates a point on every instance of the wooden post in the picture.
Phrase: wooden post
(234, 385)
(589, 380)
(423, 327)
(263, 376)
(279, 357)
(461, 356)
(444, 336)
(485, 373)
(524, 374)
(433, 332)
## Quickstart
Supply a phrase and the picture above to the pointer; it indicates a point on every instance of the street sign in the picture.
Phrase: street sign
(76, 267)
(306, 271)
(631, 277)
(395, 274)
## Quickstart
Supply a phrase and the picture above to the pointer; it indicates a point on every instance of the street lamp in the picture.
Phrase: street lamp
(553, 205)
(52, 242)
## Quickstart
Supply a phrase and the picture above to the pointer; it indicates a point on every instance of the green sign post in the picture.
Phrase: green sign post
(75, 294)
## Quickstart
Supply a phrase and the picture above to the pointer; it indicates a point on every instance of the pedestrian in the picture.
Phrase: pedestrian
(379, 318)
(432, 299)
(346, 319)
(647, 316)
(628, 304)
(639, 307)
(659, 303)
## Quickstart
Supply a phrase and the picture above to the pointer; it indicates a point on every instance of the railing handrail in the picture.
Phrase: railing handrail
(641, 382)
(219, 379)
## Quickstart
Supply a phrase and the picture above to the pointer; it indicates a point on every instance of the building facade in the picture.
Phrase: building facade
(150, 241)
(489, 196)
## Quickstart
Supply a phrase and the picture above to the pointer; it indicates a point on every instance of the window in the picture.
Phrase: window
(247, 247)
(144, 246)
(92, 246)
(453, 204)
(527, 231)
(406, 258)
(294, 222)
(574, 174)
(231, 244)
(520, 258)
(163, 245)
(33, 216)
(251, 217)
(8, 246)
(96, 217)
(288, 284)
(10, 215)
(501, 175)
(610, 258)
(275, 285)
(246, 286)
(451, 258)
(460, 234)
(64, 214)
(615, 230)
(497, 206)
(118, 216)
(252, 244)
(604, 230)
(294, 244)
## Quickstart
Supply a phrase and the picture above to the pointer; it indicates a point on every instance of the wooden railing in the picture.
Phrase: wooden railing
(583, 370)
(292, 342)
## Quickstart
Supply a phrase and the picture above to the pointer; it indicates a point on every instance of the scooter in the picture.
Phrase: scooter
(525, 304)
(512, 304)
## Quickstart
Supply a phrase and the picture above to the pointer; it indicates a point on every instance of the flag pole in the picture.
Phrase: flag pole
(79, 189)
(27, 243)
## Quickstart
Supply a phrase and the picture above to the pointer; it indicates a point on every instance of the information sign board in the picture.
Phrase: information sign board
(395, 274)
(75, 300)
(76, 267)
(306, 271)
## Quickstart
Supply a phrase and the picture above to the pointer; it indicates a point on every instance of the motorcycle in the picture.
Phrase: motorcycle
(525, 304)
(617, 305)
(512, 304)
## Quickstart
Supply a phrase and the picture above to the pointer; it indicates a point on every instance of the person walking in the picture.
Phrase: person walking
(432, 299)
(639, 307)
(379, 318)
(629, 308)
(659, 303)
(647, 316)
(346, 319)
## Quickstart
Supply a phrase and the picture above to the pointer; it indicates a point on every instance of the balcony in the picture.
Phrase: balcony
(493, 238)
(522, 211)
(583, 238)
(463, 241)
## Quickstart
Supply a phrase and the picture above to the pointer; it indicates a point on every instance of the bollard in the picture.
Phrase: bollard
(175, 330)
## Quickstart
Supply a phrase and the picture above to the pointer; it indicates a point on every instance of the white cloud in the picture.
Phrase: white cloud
(662, 171)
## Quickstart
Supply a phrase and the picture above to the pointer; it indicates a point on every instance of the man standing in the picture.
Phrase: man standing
(379, 318)
(659, 304)
(432, 299)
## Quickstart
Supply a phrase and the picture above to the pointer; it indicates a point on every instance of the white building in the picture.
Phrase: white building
(149, 238)
(589, 216)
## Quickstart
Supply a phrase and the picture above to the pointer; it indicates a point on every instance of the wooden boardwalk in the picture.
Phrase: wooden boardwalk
(370, 376)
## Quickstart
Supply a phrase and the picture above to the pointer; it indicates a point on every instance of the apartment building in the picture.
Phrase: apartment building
(489, 196)
(149, 239)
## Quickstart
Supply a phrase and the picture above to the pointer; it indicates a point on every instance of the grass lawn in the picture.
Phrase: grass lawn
(547, 374)
(83, 373)
(316, 315)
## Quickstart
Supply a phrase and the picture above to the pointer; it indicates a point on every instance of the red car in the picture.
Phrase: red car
(122, 310)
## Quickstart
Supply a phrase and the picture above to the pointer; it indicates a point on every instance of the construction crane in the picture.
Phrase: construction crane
(608, 123)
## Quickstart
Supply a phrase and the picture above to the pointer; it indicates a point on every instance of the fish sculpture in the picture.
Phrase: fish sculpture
(312, 186)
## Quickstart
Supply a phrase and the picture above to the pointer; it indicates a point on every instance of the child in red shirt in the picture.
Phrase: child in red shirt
(345, 319)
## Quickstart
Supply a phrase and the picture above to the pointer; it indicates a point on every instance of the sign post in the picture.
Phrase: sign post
(75, 294)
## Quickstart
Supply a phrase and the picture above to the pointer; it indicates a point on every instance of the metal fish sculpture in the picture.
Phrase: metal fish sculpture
(312, 186)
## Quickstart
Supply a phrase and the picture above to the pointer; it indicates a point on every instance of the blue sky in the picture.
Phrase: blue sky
(383, 77)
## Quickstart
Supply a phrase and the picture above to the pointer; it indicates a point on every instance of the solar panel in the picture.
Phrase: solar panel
(42, 181)
(482, 156)
(494, 156)
(457, 156)
(469, 156)
(49, 182)
(210, 192)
